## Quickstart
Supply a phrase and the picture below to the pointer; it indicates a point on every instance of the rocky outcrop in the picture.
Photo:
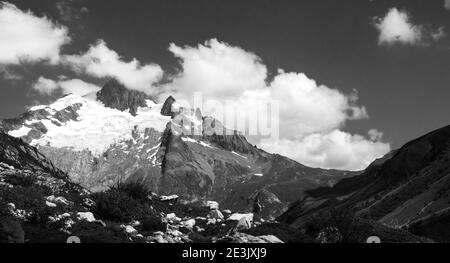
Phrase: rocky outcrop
(18, 154)
(115, 95)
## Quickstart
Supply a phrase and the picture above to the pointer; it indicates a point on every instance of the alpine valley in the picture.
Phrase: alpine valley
(117, 166)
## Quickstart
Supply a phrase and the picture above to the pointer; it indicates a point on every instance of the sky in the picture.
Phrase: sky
(355, 78)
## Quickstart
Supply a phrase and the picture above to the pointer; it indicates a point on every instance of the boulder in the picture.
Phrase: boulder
(189, 224)
(227, 211)
(243, 224)
(175, 233)
(172, 218)
(238, 216)
(212, 205)
(50, 204)
(86, 216)
(129, 229)
(58, 200)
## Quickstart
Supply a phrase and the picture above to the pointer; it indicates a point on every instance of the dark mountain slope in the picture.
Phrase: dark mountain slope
(18, 154)
(410, 190)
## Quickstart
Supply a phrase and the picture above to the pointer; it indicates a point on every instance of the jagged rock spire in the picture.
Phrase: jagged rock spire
(166, 109)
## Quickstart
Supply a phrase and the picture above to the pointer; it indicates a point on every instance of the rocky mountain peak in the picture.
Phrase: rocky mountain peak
(166, 109)
(115, 95)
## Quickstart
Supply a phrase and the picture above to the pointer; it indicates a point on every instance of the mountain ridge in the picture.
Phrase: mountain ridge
(408, 190)
(102, 141)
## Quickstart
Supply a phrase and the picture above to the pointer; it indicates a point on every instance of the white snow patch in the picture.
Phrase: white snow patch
(30, 122)
(22, 131)
(205, 144)
(258, 174)
(97, 126)
(191, 140)
(38, 107)
(233, 152)
(153, 148)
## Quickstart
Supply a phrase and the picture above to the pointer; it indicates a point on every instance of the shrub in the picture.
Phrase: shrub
(342, 220)
(116, 205)
(4, 210)
(153, 224)
(31, 199)
(134, 190)
(94, 233)
(40, 214)
(19, 179)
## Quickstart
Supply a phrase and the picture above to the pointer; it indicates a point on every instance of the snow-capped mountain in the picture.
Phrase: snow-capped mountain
(118, 135)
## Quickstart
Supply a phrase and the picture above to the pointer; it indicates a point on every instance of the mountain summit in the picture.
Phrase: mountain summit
(115, 95)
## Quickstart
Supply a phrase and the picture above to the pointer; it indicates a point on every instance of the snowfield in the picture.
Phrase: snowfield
(97, 126)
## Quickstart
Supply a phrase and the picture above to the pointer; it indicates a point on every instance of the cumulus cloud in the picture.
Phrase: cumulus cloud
(307, 107)
(335, 149)
(396, 27)
(66, 86)
(447, 4)
(311, 115)
(218, 69)
(27, 37)
(101, 61)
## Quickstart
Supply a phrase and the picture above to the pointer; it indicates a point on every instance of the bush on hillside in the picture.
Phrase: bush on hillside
(120, 205)
(134, 190)
(153, 224)
(341, 220)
